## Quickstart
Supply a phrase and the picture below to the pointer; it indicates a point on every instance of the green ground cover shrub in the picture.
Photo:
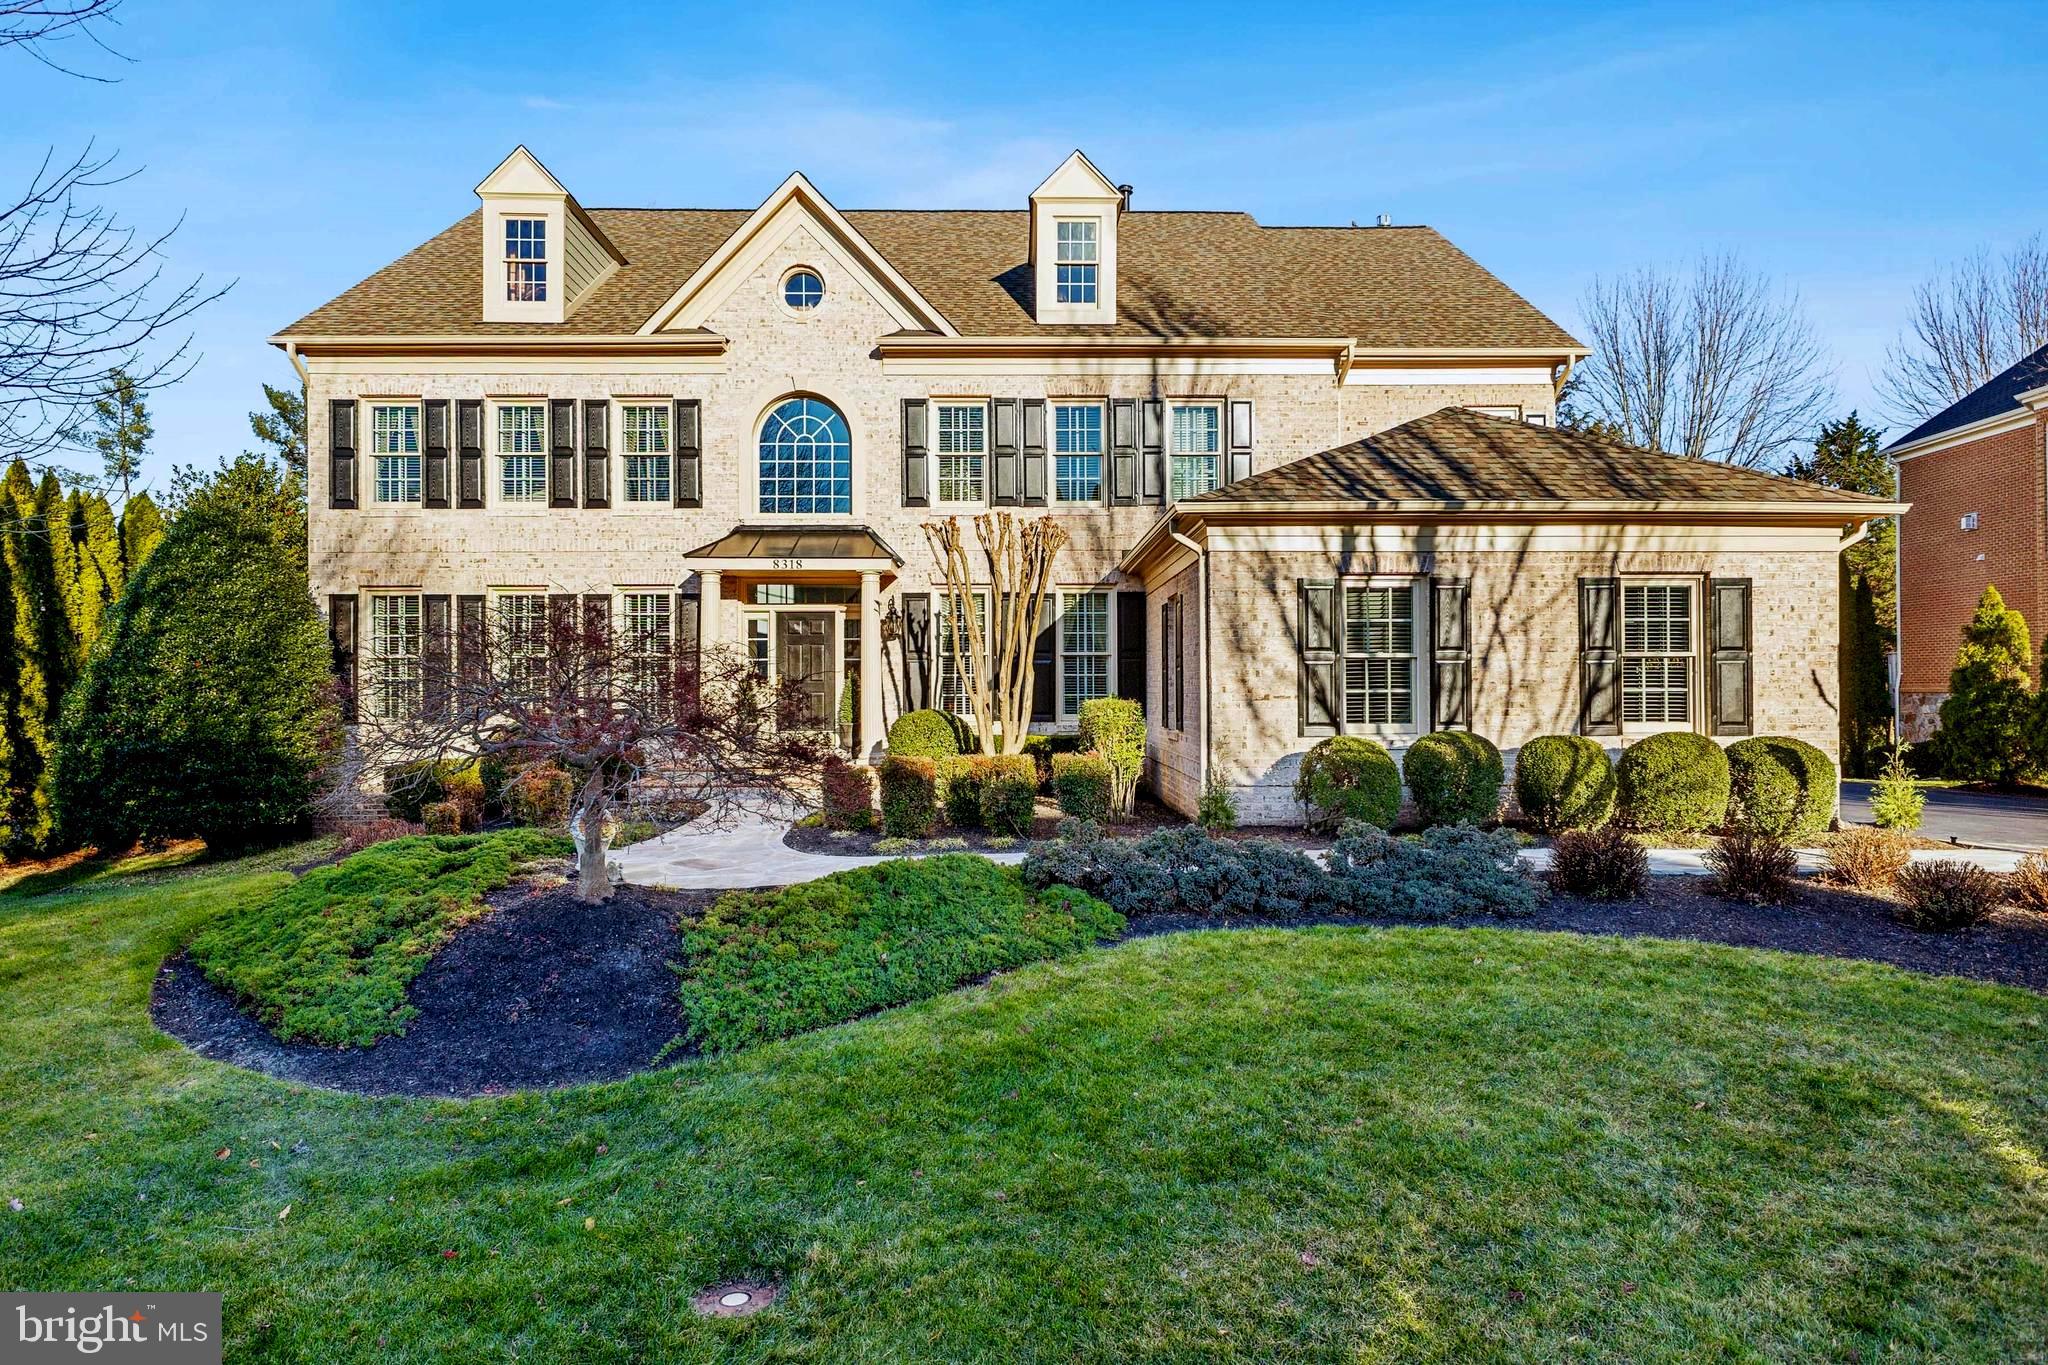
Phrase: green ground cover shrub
(1455, 777)
(1564, 782)
(1673, 781)
(1346, 777)
(1445, 872)
(327, 959)
(1780, 786)
(762, 965)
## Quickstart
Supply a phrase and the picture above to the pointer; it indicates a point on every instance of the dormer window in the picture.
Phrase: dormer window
(1078, 259)
(526, 260)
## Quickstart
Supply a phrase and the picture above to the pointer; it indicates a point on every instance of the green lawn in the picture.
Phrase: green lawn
(1324, 1145)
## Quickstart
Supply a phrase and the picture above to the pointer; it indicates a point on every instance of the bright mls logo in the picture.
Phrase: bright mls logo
(166, 1329)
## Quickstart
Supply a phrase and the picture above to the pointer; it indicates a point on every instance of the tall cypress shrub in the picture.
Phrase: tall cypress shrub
(1866, 686)
(32, 586)
(142, 526)
(1985, 720)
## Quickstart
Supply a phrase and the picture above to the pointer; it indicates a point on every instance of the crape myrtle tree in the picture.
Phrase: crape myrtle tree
(641, 728)
(1011, 564)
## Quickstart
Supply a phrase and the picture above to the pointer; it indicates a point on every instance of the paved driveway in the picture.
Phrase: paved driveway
(1971, 817)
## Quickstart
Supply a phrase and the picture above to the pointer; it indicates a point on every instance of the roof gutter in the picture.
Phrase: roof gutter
(1718, 509)
(925, 347)
(672, 343)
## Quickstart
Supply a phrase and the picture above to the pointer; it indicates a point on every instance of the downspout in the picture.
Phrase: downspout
(291, 353)
(1201, 654)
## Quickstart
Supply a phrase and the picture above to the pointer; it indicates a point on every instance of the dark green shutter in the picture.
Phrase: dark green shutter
(1731, 676)
(1152, 450)
(471, 646)
(1599, 656)
(434, 447)
(1130, 646)
(1316, 646)
(917, 650)
(1033, 492)
(341, 453)
(341, 636)
(469, 447)
(687, 485)
(1045, 702)
(1240, 440)
(1002, 429)
(1123, 452)
(1450, 633)
(917, 455)
(597, 449)
(562, 452)
(435, 629)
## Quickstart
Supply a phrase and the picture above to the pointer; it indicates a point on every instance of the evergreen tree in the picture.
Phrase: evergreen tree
(97, 537)
(31, 583)
(210, 705)
(1846, 455)
(283, 428)
(142, 526)
(1986, 720)
(1866, 688)
(119, 429)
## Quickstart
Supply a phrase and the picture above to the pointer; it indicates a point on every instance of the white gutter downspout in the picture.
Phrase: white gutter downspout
(291, 353)
(1201, 652)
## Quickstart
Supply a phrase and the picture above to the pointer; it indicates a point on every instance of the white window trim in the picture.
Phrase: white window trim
(751, 494)
(1060, 594)
(957, 401)
(367, 438)
(1222, 451)
(1696, 675)
(1052, 452)
(494, 624)
(617, 435)
(1418, 668)
(1096, 221)
(824, 296)
(494, 461)
(368, 654)
(620, 633)
(549, 281)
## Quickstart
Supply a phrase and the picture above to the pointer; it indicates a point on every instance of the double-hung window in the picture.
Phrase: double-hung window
(523, 643)
(1084, 649)
(954, 673)
(648, 642)
(1658, 643)
(1077, 452)
(1194, 447)
(395, 446)
(526, 260)
(963, 445)
(643, 443)
(1077, 257)
(1379, 657)
(394, 672)
(523, 452)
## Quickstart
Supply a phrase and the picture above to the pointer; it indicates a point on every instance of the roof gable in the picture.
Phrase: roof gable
(795, 201)
(1076, 178)
(1998, 396)
(520, 173)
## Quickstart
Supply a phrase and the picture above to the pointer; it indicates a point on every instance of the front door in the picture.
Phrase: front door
(804, 656)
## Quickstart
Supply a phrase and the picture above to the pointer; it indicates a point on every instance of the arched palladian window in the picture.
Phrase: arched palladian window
(806, 458)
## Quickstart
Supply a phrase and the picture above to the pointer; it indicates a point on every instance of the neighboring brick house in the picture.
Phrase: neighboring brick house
(1976, 474)
(726, 428)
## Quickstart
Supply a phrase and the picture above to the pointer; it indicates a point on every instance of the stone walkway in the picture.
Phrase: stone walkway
(747, 851)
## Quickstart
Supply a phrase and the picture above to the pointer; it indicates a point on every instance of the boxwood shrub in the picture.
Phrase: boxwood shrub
(1455, 777)
(1673, 781)
(1780, 786)
(960, 782)
(1009, 796)
(1564, 782)
(1080, 783)
(1346, 777)
(909, 797)
(928, 734)
(767, 964)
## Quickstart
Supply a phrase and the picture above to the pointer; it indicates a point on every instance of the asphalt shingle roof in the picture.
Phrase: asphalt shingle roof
(1180, 274)
(1456, 455)
(1993, 398)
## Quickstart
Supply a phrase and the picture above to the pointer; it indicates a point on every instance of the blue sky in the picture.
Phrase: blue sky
(1847, 149)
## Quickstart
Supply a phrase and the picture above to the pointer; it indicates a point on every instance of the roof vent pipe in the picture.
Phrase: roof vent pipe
(1123, 202)
(1385, 221)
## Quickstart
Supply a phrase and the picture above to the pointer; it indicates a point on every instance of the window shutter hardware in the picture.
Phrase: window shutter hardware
(1153, 441)
(1123, 452)
(1731, 673)
(561, 452)
(341, 453)
(1451, 653)
(434, 453)
(917, 455)
(1002, 432)
(1032, 493)
(341, 635)
(597, 452)
(1600, 656)
(688, 435)
(1317, 645)
(469, 445)
(1240, 440)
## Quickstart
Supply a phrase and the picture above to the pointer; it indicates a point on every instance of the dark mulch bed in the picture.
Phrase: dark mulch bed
(1146, 816)
(2011, 948)
(542, 992)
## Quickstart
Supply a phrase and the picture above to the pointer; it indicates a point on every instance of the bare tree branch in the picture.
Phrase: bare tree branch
(1720, 366)
(1969, 323)
(35, 26)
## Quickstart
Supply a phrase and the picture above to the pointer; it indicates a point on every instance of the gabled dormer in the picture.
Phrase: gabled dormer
(1073, 244)
(541, 252)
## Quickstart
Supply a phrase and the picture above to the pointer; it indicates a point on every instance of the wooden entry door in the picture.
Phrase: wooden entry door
(804, 655)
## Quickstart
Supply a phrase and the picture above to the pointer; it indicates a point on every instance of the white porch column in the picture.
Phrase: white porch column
(870, 664)
(710, 608)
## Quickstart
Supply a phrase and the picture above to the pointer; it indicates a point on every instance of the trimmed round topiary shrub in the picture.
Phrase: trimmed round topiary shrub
(1564, 782)
(1672, 781)
(1455, 777)
(1780, 786)
(928, 734)
(1346, 777)
(1081, 783)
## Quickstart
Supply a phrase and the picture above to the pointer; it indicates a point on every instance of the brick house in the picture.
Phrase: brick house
(1309, 473)
(1976, 474)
